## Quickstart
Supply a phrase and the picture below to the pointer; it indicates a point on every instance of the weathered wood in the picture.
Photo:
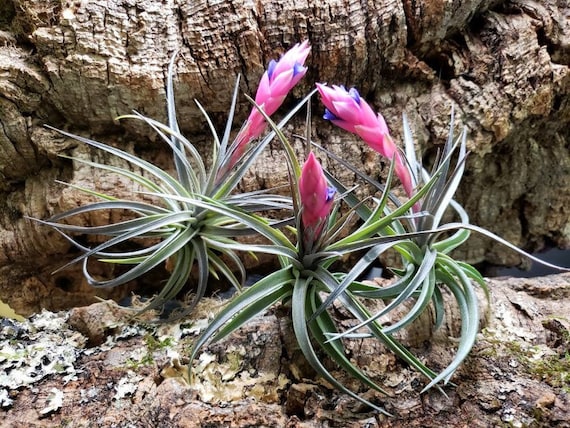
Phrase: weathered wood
(503, 66)
(135, 375)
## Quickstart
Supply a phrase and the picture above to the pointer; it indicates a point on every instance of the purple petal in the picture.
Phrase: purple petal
(329, 115)
(298, 68)
(330, 193)
(271, 68)
(355, 95)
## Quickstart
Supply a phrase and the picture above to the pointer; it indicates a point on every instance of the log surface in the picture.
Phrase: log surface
(502, 65)
(100, 370)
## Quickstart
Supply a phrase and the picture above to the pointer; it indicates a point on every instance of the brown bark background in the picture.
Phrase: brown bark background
(503, 66)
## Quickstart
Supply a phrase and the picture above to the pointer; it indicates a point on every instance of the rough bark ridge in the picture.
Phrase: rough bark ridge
(502, 65)
(106, 372)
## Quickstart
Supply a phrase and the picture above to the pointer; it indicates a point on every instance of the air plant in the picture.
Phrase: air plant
(198, 216)
(197, 209)
(427, 263)
(306, 275)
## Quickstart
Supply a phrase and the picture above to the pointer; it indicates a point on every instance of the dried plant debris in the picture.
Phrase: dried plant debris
(47, 352)
(233, 379)
(127, 385)
(54, 401)
(7, 312)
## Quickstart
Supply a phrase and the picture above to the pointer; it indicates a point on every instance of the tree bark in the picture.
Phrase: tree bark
(502, 65)
(92, 367)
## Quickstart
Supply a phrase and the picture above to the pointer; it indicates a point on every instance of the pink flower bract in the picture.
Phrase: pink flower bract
(281, 76)
(348, 111)
(316, 197)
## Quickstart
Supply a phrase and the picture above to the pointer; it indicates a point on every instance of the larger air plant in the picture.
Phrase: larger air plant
(306, 277)
(196, 212)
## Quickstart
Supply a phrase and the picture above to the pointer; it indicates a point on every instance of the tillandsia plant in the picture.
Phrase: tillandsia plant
(306, 276)
(195, 217)
(196, 212)
(427, 265)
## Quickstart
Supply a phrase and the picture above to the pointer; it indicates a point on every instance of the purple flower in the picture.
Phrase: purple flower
(316, 197)
(348, 111)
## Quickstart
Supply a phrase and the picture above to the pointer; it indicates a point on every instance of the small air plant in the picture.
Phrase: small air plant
(306, 276)
(197, 213)
(427, 265)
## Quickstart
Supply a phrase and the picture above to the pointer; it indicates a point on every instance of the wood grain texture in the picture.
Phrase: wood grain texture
(503, 66)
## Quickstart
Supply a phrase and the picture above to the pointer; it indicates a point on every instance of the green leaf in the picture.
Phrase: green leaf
(254, 222)
(169, 247)
(421, 278)
(228, 129)
(373, 291)
(422, 301)
(201, 252)
(164, 131)
(281, 293)
(370, 257)
(458, 283)
(484, 232)
(182, 167)
(162, 176)
(299, 317)
(322, 327)
(265, 249)
(183, 262)
(362, 314)
(380, 224)
(220, 266)
(274, 284)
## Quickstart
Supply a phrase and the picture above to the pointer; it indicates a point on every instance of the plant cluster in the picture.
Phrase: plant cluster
(198, 218)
